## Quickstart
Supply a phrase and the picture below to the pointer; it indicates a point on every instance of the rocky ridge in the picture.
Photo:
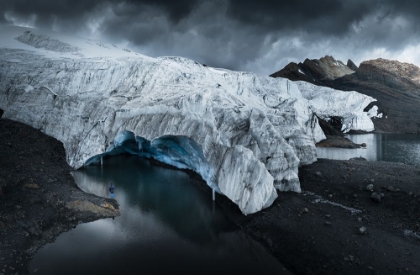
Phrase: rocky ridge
(326, 68)
(315, 70)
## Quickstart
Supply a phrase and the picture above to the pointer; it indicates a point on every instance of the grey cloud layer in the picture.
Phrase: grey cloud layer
(260, 36)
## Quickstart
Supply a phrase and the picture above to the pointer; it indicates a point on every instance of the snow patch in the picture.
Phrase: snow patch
(320, 199)
(29, 88)
(88, 48)
(45, 42)
(14, 60)
(411, 233)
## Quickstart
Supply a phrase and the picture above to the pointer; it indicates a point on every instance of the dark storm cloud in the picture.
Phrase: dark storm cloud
(279, 15)
(252, 35)
(47, 11)
(176, 10)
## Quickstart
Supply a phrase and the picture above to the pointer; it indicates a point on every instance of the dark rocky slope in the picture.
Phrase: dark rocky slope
(394, 84)
(38, 197)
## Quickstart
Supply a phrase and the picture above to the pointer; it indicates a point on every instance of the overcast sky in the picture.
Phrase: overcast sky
(260, 36)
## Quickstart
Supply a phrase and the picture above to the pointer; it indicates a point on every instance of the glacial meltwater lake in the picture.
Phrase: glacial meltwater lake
(404, 148)
(167, 226)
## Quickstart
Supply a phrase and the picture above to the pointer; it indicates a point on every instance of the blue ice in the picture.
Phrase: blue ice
(178, 151)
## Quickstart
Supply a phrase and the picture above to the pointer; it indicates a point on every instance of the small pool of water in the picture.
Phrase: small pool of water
(404, 148)
(166, 226)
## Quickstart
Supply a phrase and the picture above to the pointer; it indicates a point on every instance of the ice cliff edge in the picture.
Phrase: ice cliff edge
(245, 134)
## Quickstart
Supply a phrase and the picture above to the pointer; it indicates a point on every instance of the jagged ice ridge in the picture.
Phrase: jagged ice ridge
(244, 133)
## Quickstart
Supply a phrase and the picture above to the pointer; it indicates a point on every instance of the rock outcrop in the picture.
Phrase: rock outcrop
(245, 134)
(105, 209)
(351, 65)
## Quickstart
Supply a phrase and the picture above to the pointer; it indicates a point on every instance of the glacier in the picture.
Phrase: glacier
(244, 133)
(328, 103)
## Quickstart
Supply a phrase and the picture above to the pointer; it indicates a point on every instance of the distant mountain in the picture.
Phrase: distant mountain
(315, 70)
(394, 84)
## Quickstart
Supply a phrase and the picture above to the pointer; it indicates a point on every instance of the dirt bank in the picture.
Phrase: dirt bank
(38, 197)
(339, 142)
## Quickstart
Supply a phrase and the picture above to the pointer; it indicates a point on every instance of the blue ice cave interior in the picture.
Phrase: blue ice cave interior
(178, 151)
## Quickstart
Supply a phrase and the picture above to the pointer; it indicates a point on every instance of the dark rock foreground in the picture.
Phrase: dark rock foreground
(38, 197)
(333, 227)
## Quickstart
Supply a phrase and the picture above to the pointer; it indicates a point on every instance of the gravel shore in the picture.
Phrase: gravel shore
(353, 217)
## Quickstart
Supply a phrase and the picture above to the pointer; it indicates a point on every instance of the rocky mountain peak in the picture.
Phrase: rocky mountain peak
(402, 69)
(351, 65)
(315, 70)
(327, 68)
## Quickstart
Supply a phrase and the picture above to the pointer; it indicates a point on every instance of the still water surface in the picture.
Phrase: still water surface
(166, 225)
(403, 148)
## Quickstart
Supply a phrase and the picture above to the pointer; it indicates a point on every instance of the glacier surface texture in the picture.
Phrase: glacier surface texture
(244, 133)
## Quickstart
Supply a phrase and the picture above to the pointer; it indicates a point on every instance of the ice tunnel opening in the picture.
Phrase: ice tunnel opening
(177, 151)
(331, 126)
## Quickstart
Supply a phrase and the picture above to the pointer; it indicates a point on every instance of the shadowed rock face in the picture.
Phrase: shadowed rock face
(351, 65)
(395, 85)
(294, 72)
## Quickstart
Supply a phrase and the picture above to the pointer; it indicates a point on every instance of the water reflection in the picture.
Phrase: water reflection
(166, 225)
(403, 148)
(163, 192)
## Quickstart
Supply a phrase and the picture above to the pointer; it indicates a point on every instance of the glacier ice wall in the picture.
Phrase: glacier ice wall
(245, 134)
(327, 103)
